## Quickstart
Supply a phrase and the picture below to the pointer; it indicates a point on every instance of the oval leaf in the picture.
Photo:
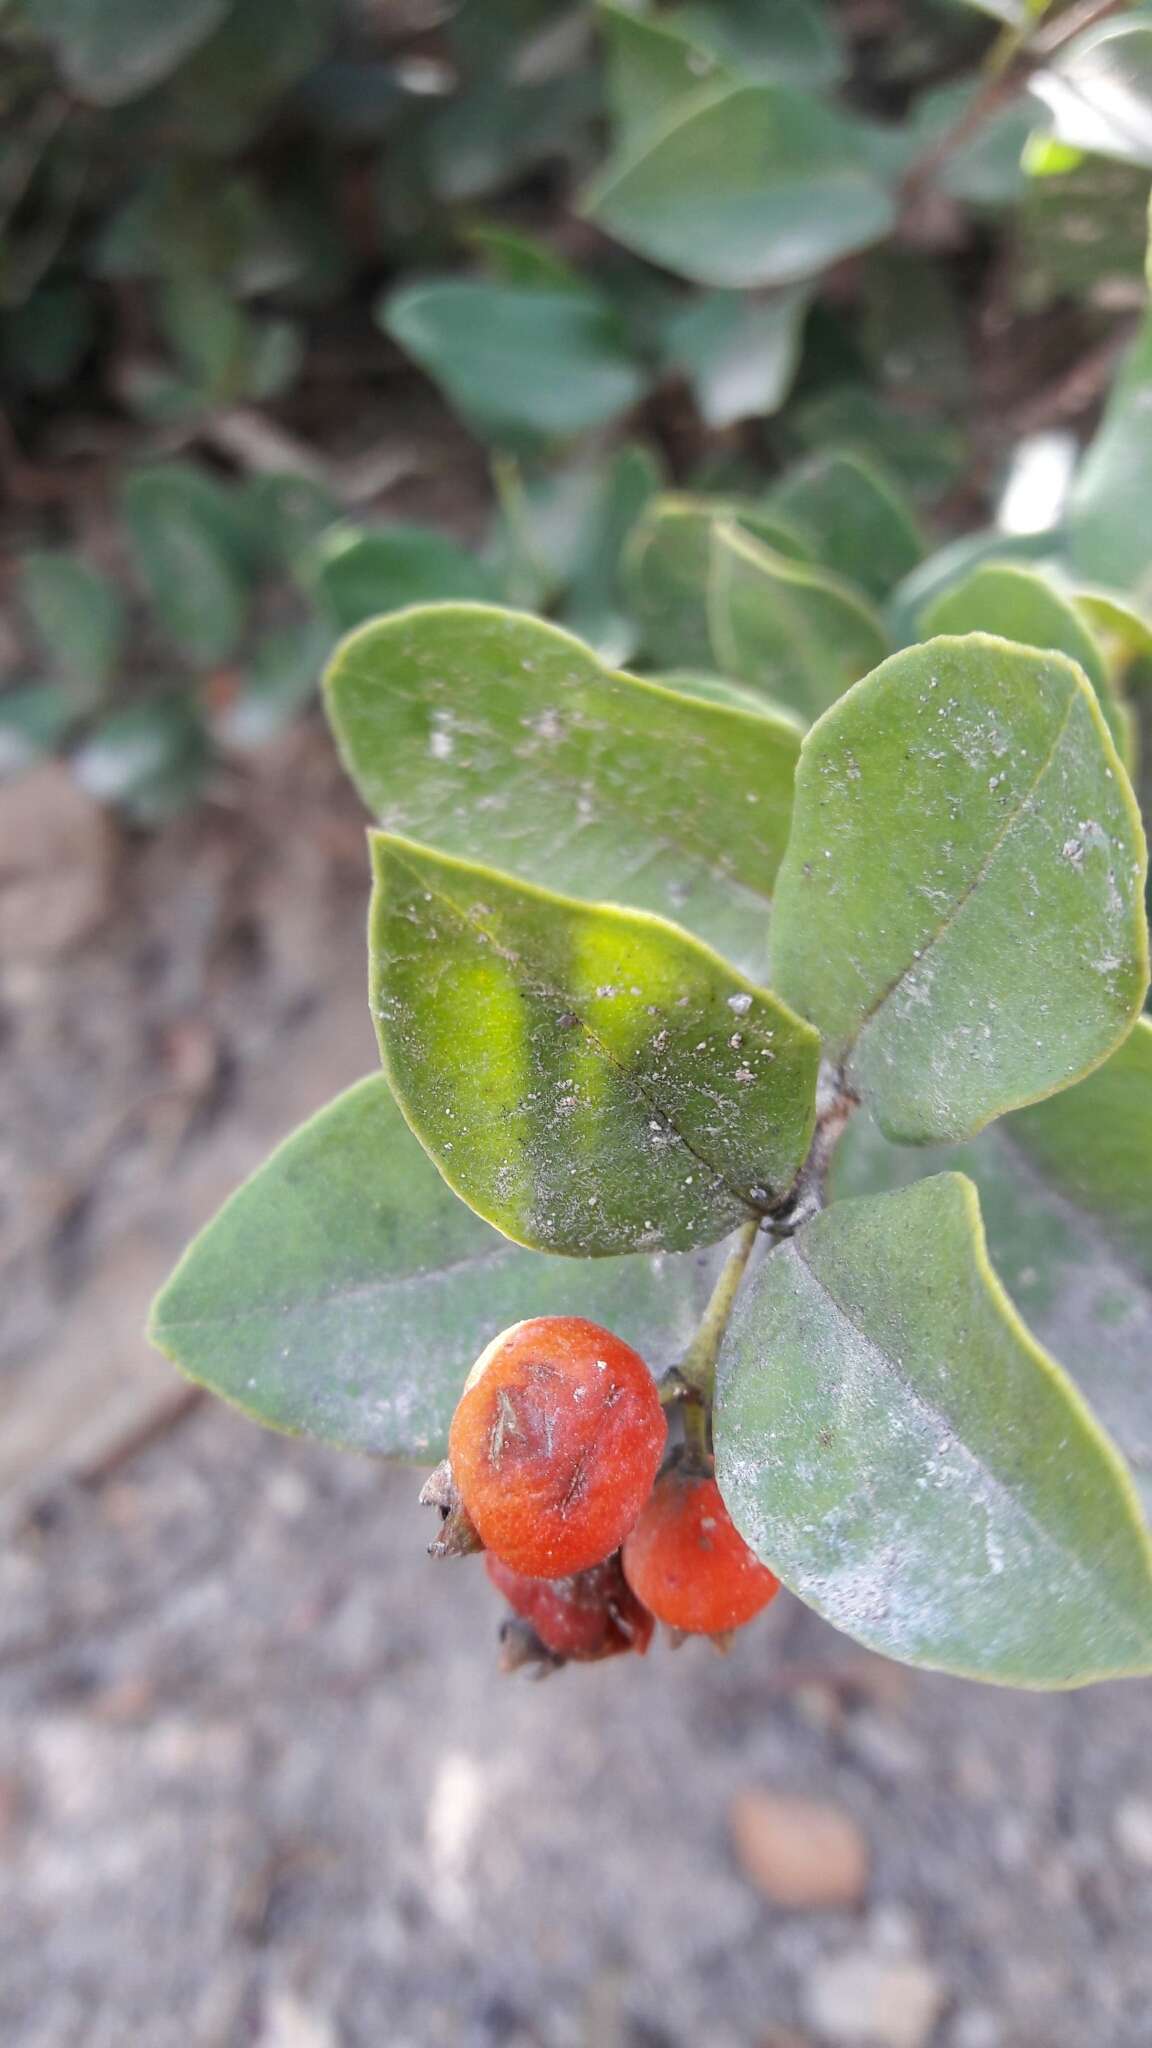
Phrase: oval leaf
(1020, 604)
(519, 363)
(993, 949)
(789, 628)
(891, 1440)
(343, 1292)
(590, 1080)
(1066, 1189)
(861, 525)
(743, 186)
(360, 575)
(503, 740)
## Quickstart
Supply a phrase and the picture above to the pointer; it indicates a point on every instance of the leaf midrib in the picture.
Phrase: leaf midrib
(970, 887)
(564, 1004)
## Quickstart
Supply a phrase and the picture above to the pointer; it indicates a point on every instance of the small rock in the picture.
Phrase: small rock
(1132, 1830)
(863, 1998)
(804, 1853)
(287, 2023)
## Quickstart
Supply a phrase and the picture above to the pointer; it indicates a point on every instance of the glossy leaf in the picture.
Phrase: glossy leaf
(1066, 1189)
(78, 616)
(1099, 93)
(959, 909)
(110, 50)
(894, 1443)
(590, 1080)
(739, 354)
(755, 185)
(358, 575)
(795, 631)
(518, 362)
(343, 1292)
(500, 739)
(187, 550)
(1019, 604)
(1110, 512)
(859, 520)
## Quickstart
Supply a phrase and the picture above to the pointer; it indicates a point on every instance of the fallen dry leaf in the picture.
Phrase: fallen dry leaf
(803, 1853)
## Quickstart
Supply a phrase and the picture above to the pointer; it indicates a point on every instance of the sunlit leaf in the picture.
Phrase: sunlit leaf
(960, 907)
(590, 1080)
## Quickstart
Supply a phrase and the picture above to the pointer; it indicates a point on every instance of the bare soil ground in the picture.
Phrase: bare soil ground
(260, 1781)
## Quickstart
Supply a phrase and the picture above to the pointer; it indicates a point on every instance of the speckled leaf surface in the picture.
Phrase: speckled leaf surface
(590, 1080)
(960, 907)
(343, 1292)
(1066, 1190)
(793, 630)
(1018, 603)
(504, 740)
(894, 1443)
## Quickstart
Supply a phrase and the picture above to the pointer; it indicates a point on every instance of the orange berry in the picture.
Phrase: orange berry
(555, 1444)
(590, 1615)
(687, 1561)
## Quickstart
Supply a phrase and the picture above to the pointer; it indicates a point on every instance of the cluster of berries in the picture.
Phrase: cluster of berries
(556, 1468)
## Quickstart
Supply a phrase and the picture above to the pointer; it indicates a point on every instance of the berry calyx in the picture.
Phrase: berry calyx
(585, 1617)
(555, 1444)
(688, 1563)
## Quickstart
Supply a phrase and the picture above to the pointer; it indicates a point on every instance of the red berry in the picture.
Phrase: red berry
(593, 1614)
(555, 1444)
(688, 1563)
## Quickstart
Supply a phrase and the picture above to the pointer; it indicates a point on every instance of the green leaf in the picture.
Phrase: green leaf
(343, 1292)
(1066, 1189)
(502, 740)
(1099, 94)
(281, 677)
(959, 909)
(793, 630)
(357, 575)
(1109, 519)
(590, 1080)
(562, 535)
(78, 616)
(1019, 604)
(894, 1443)
(110, 50)
(927, 454)
(288, 513)
(650, 69)
(950, 564)
(222, 94)
(149, 759)
(739, 354)
(861, 524)
(33, 721)
(791, 42)
(186, 543)
(521, 259)
(518, 363)
(668, 567)
(1123, 634)
(744, 186)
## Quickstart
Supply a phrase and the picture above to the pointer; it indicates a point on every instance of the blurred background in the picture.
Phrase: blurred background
(310, 309)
